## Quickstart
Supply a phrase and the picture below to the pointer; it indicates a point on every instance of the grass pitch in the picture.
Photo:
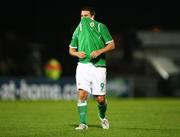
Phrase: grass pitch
(128, 118)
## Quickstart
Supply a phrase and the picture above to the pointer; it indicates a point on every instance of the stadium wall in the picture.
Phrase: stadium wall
(65, 88)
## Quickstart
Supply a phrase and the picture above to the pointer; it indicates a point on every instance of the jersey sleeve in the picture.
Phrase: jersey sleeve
(74, 40)
(105, 34)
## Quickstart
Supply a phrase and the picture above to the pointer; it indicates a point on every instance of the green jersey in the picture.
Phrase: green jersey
(91, 35)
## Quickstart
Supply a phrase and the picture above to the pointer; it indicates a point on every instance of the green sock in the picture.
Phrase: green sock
(82, 109)
(102, 110)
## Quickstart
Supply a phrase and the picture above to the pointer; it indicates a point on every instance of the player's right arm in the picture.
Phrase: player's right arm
(74, 45)
(75, 53)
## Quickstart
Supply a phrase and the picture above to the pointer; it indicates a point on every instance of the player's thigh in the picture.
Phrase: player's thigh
(99, 81)
(83, 77)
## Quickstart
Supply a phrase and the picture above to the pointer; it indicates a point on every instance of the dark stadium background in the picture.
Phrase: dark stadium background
(32, 32)
(143, 100)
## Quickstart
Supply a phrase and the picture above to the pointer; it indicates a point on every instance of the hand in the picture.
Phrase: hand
(95, 54)
(81, 54)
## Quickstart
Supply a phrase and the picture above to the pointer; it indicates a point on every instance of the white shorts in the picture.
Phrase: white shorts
(91, 79)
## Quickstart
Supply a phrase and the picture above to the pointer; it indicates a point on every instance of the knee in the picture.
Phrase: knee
(100, 99)
(82, 95)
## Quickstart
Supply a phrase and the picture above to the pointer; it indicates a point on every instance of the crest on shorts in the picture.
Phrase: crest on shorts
(92, 24)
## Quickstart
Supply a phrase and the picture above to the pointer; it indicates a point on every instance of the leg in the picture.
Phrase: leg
(82, 82)
(82, 109)
(102, 106)
(82, 105)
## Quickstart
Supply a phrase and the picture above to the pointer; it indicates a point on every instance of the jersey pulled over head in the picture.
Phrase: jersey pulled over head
(91, 35)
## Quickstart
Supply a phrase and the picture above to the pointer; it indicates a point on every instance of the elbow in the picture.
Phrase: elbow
(70, 51)
(113, 45)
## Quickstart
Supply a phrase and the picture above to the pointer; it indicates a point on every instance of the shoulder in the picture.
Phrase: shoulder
(102, 25)
(78, 26)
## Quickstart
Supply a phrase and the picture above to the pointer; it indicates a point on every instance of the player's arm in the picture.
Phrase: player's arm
(73, 45)
(110, 46)
(75, 53)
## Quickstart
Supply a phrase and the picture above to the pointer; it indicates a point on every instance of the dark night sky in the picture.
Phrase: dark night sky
(34, 17)
(49, 15)
(51, 22)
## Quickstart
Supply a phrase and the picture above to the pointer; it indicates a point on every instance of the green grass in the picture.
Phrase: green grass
(128, 118)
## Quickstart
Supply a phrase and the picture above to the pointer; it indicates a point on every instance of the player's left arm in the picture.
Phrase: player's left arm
(110, 46)
(109, 42)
